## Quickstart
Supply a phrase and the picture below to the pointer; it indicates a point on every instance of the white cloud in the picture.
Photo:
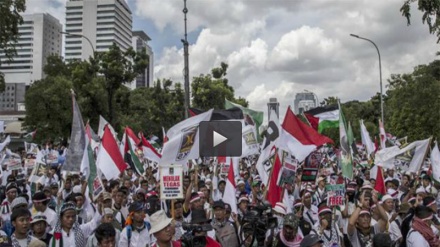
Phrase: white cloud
(280, 50)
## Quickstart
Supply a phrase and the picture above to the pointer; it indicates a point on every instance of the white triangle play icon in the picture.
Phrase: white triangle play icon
(218, 139)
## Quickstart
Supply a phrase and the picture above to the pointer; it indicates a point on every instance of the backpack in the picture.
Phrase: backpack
(130, 230)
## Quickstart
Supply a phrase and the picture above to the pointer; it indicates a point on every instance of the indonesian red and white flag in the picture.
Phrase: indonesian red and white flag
(149, 151)
(109, 159)
(274, 191)
(298, 138)
(229, 195)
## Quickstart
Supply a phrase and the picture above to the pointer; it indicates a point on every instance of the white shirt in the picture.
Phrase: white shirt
(394, 230)
(415, 239)
(51, 217)
(23, 242)
(138, 239)
(87, 230)
(311, 215)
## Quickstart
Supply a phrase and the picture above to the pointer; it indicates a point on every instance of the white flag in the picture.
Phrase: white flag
(435, 163)
(366, 139)
(5, 143)
(408, 158)
(2, 126)
(249, 145)
(268, 147)
(102, 124)
(183, 140)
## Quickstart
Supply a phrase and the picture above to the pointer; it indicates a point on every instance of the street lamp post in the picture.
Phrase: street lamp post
(186, 63)
(380, 72)
(80, 35)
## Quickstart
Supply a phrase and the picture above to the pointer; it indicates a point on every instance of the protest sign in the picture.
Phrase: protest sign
(288, 171)
(98, 187)
(12, 163)
(335, 194)
(171, 186)
(311, 167)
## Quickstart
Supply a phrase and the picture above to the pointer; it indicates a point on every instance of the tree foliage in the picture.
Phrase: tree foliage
(431, 14)
(49, 108)
(150, 109)
(119, 68)
(211, 90)
(413, 103)
(10, 20)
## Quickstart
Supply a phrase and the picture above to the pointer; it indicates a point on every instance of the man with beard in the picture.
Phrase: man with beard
(290, 235)
(327, 229)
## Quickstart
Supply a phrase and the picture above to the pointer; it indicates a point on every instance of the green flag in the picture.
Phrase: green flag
(345, 159)
(92, 166)
(249, 115)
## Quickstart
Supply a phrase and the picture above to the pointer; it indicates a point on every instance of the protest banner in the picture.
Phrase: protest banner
(335, 194)
(171, 186)
(288, 171)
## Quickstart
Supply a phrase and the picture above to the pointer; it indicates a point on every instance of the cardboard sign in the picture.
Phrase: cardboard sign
(171, 182)
(335, 194)
(98, 187)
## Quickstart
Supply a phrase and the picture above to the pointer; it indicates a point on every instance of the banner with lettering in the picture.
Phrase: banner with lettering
(335, 194)
(171, 186)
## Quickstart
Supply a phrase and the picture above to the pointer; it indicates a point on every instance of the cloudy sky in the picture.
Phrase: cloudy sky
(279, 48)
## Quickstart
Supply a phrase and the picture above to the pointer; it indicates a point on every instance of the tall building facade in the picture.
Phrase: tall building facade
(103, 22)
(39, 37)
(139, 42)
(273, 105)
(305, 101)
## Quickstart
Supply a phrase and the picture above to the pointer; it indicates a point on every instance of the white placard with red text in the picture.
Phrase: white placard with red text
(171, 182)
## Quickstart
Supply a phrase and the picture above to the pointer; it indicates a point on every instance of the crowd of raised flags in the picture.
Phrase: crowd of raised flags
(359, 193)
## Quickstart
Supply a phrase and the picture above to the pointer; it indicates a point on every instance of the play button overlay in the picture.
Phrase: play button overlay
(220, 138)
(217, 139)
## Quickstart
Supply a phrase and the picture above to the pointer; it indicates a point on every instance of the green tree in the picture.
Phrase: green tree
(211, 90)
(330, 101)
(49, 108)
(10, 19)
(119, 68)
(413, 103)
(431, 14)
(150, 109)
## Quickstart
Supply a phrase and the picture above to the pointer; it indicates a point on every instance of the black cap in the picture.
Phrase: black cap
(135, 207)
(219, 204)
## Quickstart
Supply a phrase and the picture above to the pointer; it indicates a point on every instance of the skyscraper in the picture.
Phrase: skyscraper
(103, 22)
(305, 101)
(139, 41)
(39, 37)
(273, 105)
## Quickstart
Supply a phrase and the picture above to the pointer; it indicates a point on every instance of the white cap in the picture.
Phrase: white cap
(280, 208)
(420, 190)
(386, 197)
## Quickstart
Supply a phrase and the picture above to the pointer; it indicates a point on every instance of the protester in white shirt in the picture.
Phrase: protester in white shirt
(136, 233)
(421, 234)
(395, 226)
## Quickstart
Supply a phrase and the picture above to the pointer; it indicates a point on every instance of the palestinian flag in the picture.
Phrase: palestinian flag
(322, 118)
(232, 113)
(131, 151)
(251, 117)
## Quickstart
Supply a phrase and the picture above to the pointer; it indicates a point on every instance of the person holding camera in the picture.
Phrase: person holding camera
(199, 228)
(225, 231)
